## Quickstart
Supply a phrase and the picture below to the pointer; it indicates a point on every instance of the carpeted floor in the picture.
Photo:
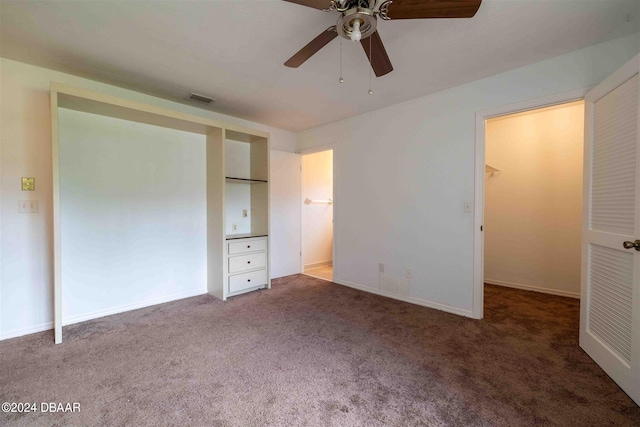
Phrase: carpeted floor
(312, 353)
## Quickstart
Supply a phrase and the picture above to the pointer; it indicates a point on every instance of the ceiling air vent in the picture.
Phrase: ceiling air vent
(201, 98)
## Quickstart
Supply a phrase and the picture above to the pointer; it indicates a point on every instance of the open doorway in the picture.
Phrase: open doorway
(487, 174)
(317, 214)
(533, 199)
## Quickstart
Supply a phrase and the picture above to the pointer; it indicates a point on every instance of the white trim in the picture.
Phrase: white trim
(26, 331)
(127, 307)
(412, 300)
(478, 236)
(532, 288)
(318, 264)
(100, 313)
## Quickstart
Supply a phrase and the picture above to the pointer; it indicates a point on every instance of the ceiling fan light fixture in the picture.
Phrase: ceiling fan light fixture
(356, 35)
(356, 24)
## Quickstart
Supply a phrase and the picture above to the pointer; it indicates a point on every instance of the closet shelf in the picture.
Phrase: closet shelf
(245, 236)
(244, 180)
(490, 169)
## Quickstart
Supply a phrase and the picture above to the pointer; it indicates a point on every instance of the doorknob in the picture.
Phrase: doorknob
(630, 245)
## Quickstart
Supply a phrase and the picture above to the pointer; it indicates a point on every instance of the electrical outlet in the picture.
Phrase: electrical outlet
(381, 268)
(409, 274)
(28, 206)
(234, 227)
(244, 213)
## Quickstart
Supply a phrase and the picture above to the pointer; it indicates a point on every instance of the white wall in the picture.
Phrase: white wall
(133, 214)
(26, 258)
(404, 172)
(533, 206)
(317, 218)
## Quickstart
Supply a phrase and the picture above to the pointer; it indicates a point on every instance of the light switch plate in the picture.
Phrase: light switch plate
(28, 206)
(244, 213)
(28, 184)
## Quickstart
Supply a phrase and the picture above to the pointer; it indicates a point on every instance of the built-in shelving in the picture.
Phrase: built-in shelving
(246, 212)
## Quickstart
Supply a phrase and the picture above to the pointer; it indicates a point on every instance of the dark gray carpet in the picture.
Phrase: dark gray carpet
(309, 352)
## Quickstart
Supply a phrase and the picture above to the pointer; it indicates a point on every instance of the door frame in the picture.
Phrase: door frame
(319, 149)
(478, 221)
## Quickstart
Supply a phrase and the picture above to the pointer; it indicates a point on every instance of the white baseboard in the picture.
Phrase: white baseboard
(532, 288)
(412, 300)
(128, 307)
(26, 331)
(318, 264)
(100, 313)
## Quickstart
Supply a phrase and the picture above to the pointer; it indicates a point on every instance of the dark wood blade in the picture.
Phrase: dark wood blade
(420, 9)
(316, 4)
(378, 56)
(310, 49)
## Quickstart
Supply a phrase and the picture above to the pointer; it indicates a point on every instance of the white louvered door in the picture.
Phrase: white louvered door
(610, 294)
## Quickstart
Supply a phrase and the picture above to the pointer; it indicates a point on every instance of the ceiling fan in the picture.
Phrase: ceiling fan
(358, 22)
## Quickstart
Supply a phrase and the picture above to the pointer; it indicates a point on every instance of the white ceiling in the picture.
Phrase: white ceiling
(234, 50)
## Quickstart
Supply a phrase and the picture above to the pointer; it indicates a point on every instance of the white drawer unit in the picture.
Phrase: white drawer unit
(247, 265)
(240, 263)
(252, 279)
(242, 247)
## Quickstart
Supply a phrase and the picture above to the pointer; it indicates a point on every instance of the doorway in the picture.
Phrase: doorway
(533, 199)
(317, 215)
(528, 198)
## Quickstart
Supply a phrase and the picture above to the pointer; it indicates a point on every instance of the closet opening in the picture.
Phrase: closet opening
(317, 215)
(533, 179)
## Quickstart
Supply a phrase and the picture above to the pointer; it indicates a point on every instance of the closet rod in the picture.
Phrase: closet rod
(309, 201)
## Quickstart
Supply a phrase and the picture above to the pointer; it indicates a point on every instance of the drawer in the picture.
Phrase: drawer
(238, 264)
(243, 247)
(244, 281)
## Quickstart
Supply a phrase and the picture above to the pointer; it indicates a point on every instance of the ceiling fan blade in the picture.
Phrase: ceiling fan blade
(316, 4)
(420, 9)
(378, 56)
(312, 47)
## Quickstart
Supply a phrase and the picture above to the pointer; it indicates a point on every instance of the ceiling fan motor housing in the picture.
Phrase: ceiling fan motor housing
(368, 22)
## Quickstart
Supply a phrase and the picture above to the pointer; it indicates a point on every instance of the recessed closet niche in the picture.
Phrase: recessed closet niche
(129, 181)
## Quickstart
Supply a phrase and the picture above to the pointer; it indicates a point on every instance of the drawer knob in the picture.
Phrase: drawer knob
(248, 246)
(248, 262)
(248, 280)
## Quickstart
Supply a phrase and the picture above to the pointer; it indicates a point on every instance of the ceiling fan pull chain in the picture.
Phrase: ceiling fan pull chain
(341, 80)
(370, 65)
